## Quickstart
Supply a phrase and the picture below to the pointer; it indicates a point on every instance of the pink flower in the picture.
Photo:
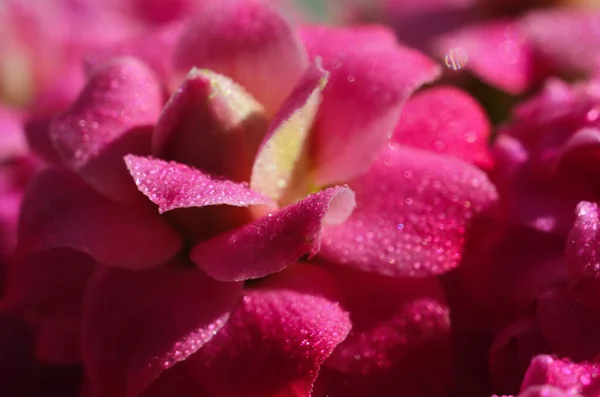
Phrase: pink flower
(240, 173)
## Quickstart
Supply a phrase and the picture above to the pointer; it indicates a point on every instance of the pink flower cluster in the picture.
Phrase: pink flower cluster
(221, 199)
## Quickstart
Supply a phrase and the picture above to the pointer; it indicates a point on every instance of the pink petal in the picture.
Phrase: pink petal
(138, 324)
(569, 321)
(400, 335)
(446, 120)
(249, 42)
(546, 391)
(270, 244)
(113, 116)
(37, 133)
(60, 210)
(281, 167)
(46, 289)
(572, 378)
(273, 345)
(414, 209)
(208, 116)
(369, 82)
(12, 140)
(172, 185)
(567, 38)
(583, 244)
(154, 47)
(497, 52)
(512, 350)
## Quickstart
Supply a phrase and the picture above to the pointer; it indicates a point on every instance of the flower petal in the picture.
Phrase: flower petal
(61, 210)
(270, 244)
(573, 378)
(446, 120)
(400, 335)
(46, 289)
(12, 141)
(569, 321)
(280, 169)
(154, 47)
(497, 52)
(213, 124)
(413, 212)
(37, 134)
(113, 116)
(369, 82)
(138, 324)
(248, 41)
(280, 332)
(583, 244)
(567, 38)
(172, 185)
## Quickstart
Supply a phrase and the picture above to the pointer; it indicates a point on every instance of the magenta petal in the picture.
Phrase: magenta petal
(446, 120)
(154, 47)
(273, 345)
(61, 210)
(207, 117)
(112, 117)
(270, 244)
(37, 134)
(572, 378)
(583, 244)
(400, 335)
(497, 52)
(248, 41)
(368, 84)
(172, 185)
(138, 324)
(46, 289)
(413, 211)
(12, 140)
(567, 38)
(546, 391)
(569, 321)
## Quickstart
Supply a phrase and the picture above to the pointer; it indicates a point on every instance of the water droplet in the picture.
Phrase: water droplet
(336, 64)
(456, 58)
(351, 79)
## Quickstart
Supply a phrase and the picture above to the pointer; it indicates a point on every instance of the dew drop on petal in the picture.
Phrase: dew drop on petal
(456, 58)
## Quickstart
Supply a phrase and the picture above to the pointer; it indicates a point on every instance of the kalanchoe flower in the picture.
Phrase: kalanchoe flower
(546, 156)
(277, 147)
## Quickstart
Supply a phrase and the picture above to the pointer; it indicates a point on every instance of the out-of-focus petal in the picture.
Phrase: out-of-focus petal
(567, 38)
(446, 120)
(568, 319)
(273, 345)
(400, 335)
(112, 117)
(172, 185)
(154, 47)
(138, 324)
(61, 210)
(368, 84)
(37, 134)
(275, 241)
(46, 288)
(414, 209)
(497, 52)
(12, 140)
(546, 391)
(213, 124)
(562, 374)
(248, 41)
(281, 166)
